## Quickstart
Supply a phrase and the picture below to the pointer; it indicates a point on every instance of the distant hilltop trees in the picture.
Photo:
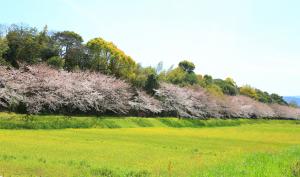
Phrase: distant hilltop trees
(20, 44)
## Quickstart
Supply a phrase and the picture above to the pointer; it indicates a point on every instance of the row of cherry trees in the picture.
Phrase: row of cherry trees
(20, 44)
(41, 89)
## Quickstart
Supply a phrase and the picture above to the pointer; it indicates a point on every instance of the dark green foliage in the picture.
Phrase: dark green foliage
(48, 52)
(71, 49)
(48, 48)
(278, 99)
(208, 80)
(56, 62)
(151, 84)
(191, 78)
(23, 45)
(263, 97)
(67, 40)
(27, 45)
(187, 66)
(76, 58)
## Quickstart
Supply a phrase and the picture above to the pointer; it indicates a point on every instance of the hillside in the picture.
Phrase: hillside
(41, 90)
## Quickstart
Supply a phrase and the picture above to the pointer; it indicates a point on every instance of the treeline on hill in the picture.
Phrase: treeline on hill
(20, 44)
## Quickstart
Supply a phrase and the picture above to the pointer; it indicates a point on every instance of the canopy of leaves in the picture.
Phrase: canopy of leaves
(108, 59)
(71, 49)
(228, 87)
(67, 40)
(187, 66)
(23, 45)
(183, 75)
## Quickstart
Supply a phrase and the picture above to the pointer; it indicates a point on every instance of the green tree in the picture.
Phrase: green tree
(187, 66)
(151, 84)
(70, 48)
(107, 58)
(176, 76)
(208, 80)
(67, 40)
(98, 54)
(23, 45)
(263, 97)
(3, 50)
(228, 87)
(182, 75)
(278, 99)
(191, 79)
(140, 75)
(48, 48)
(230, 81)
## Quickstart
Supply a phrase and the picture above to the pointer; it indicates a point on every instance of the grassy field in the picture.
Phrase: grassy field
(101, 146)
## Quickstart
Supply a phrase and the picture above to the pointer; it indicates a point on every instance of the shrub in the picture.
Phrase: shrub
(56, 62)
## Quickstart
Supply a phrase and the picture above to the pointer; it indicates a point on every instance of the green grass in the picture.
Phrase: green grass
(47, 146)
(19, 121)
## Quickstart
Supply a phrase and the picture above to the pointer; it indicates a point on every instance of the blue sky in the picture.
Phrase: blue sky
(255, 42)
